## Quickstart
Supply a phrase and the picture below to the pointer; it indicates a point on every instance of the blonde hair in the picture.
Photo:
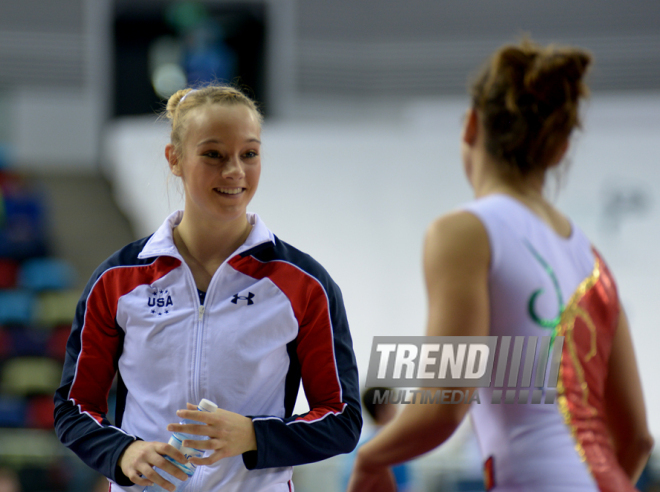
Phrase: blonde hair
(182, 102)
(528, 98)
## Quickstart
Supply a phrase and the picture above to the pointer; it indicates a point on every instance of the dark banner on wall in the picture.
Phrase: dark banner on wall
(161, 47)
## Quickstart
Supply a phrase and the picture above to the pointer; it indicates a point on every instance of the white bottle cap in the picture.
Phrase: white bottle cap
(207, 405)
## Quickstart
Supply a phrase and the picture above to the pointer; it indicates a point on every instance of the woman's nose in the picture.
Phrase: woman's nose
(233, 168)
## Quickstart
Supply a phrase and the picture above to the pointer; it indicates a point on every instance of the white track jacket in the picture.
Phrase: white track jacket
(271, 317)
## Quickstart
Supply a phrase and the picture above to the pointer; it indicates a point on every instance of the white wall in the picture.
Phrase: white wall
(54, 129)
(58, 96)
(356, 186)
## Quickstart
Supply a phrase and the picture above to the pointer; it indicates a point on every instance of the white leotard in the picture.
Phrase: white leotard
(530, 445)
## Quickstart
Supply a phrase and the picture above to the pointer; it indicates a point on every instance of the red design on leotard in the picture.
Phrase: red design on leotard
(489, 473)
(589, 323)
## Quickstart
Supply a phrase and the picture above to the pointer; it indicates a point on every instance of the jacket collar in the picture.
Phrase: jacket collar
(161, 242)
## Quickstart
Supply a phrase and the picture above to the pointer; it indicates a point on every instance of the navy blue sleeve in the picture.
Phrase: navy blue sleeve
(322, 356)
(92, 354)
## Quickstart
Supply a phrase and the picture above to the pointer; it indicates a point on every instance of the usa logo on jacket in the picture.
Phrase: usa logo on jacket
(160, 302)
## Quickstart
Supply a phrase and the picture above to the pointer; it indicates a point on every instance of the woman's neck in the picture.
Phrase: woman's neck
(207, 244)
(526, 189)
(529, 194)
(493, 179)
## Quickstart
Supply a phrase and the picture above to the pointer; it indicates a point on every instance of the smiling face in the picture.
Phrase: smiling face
(220, 161)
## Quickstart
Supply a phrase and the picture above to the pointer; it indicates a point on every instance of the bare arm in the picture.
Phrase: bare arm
(456, 259)
(625, 404)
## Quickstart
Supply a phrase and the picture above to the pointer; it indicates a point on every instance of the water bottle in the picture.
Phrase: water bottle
(177, 441)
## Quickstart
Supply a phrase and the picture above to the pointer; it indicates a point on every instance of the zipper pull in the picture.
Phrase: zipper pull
(201, 312)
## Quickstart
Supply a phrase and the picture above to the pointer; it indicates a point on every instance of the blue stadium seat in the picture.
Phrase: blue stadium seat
(16, 306)
(46, 273)
(12, 411)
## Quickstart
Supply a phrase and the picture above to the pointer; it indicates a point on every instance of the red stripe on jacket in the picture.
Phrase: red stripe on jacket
(315, 345)
(100, 339)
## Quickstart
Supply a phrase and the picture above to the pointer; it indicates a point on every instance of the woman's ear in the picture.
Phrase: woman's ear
(560, 154)
(471, 127)
(173, 159)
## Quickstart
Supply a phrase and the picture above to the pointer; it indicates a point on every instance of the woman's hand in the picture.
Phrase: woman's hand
(230, 434)
(139, 458)
(370, 478)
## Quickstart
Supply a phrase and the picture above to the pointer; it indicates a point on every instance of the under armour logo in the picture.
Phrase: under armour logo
(247, 298)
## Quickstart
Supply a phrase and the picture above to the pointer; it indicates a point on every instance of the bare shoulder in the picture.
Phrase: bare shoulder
(458, 237)
(456, 270)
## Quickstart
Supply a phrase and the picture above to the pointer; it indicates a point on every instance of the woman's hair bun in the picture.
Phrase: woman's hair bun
(557, 74)
(174, 101)
(528, 98)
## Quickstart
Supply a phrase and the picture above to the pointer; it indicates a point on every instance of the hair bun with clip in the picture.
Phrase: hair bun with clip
(186, 95)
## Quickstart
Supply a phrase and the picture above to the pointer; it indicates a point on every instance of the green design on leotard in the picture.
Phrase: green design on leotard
(542, 322)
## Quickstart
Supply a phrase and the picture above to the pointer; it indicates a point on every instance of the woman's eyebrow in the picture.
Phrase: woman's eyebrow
(215, 140)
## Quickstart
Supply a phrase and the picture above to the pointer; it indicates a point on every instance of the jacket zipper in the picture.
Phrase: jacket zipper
(198, 351)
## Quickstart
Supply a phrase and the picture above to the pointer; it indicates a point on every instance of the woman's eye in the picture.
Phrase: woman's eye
(212, 153)
(251, 154)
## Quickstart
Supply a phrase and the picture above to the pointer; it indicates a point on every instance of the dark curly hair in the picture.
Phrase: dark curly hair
(527, 97)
